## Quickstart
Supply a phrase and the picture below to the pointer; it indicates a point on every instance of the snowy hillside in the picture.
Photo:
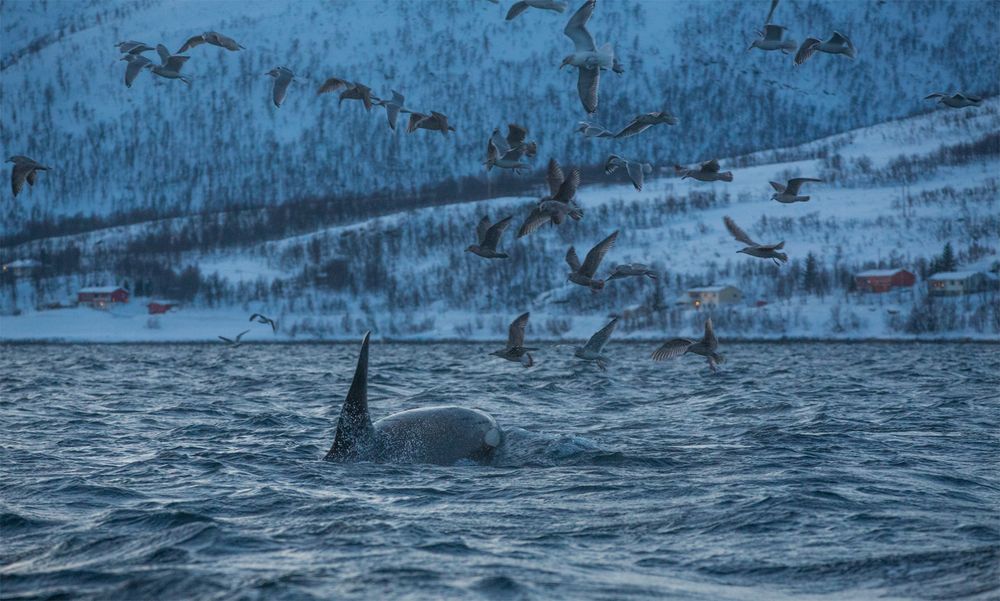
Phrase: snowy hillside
(894, 195)
(164, 149)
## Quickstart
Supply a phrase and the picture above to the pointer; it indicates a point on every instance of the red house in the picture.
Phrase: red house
(100, 297)
(883, 280)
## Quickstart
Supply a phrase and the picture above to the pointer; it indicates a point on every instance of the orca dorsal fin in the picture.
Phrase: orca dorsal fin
(354, 427)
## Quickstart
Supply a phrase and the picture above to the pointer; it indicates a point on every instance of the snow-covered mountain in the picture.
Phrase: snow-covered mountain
(164, 149)
(894, 195)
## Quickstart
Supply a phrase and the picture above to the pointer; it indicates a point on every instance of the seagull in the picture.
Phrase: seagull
(706, 172)
(593, 131)
(643, 122)
(558, 204)
(631, 269)
(594, 347)
(392, 108)
(587, 57)
(262, 319)
(211, 37)
(434, 122)
(506, 153)
(706, 347)
(489, 237)
(790, 192)
(234, 343)
(170, 67)
(837, 44)
(352, 91)
(25, 170)
(515, 349)
(584, 274)
(136, 63)
(282, 77)
(957, 100)
(772, 39)
(635, 169)
(133, 47)
(763, 251)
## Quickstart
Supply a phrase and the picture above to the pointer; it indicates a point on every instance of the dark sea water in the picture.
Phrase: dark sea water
(800, 471)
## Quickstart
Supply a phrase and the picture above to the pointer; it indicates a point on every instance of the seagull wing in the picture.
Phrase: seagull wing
(567, 191)
(175, 62)
(18, 175)
(935, 95)
(773, 32)
(240, 335)
(163, 52)
(576, 29)
(281, 87)
(796, 182)
(596, 255)
(516, 9)
(672, 348)
(778, 187)
(191, 43)
(572, 259)
(711, 166)
(516, 134)
(536, 219)
(495, 232)
(839, 38)
(224, 339)
(515, 336)
(134, 68)
(600, 339)
(481, 229)
(554, 177)
(587, 85)
(332, 85)
(806, 50)
(635, 173)
(255, 316)
(737, 233)
(635, 126)
(770, 13)
(710, 340)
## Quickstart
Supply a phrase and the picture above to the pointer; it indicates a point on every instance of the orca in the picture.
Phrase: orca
(440, 435)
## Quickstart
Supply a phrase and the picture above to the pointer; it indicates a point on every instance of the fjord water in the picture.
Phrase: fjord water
(799, 471)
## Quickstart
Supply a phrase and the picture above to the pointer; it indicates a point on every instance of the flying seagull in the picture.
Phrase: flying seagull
(643, 122)
(489, 237)
(352, 91)
(515, 349)
(789, 192)
(631, 269)
(706, 172)
(234, 343)
(393, 108)
(170, 67)
(593, 131)
(506, 153)
(635, 169)
(211, 37)
(763, 251)
(837, 44)
(592, 351)
(136, 63)
(706, 347)
(584, 274)
(558, 205)
(519, 7)
(957, 100)
(24, 170)
(262, 319)
(133, 47)
(587, 57)
(434, 122)
(772, 38)
(282, 77)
